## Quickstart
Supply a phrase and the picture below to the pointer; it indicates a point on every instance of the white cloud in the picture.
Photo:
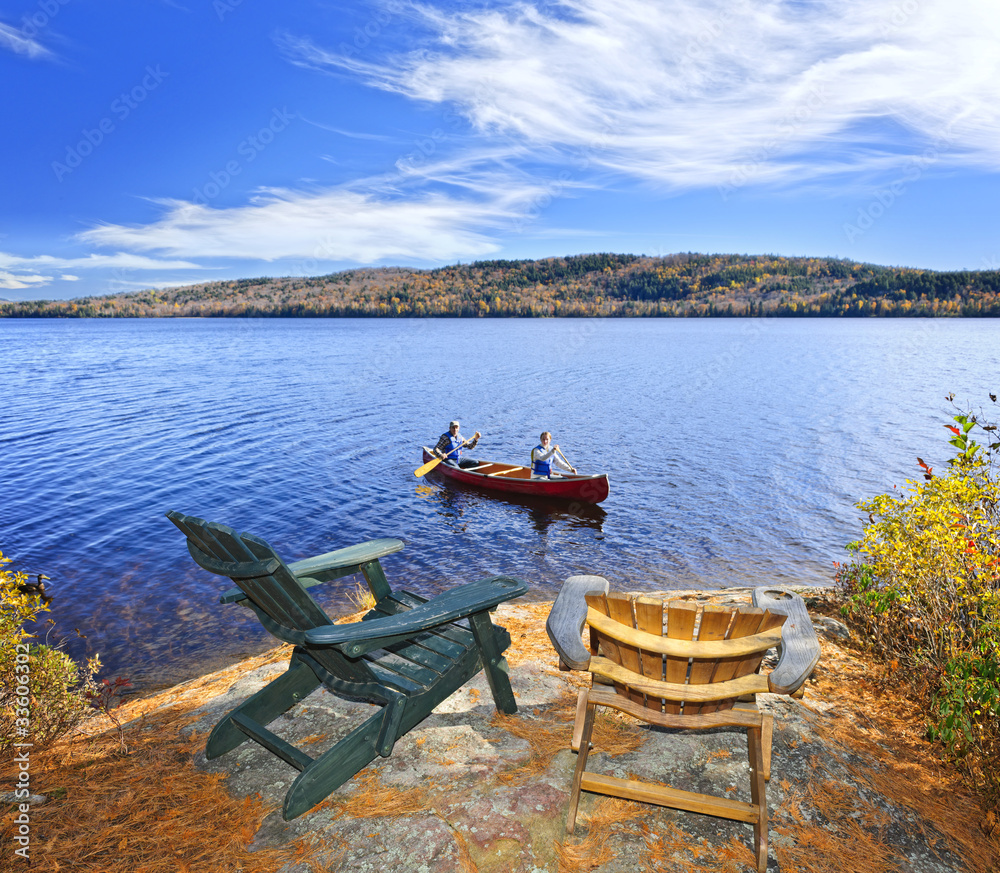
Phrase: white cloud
(36, 271)
(119, 260)
(15, 40)
(326, 226)
(679, 94)
(691, 93)
(10, 281)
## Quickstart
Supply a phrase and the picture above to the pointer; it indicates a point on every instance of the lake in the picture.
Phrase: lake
(736, 450)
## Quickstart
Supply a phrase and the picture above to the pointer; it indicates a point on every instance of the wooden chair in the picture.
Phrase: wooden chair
(407, 654)
(676, 666)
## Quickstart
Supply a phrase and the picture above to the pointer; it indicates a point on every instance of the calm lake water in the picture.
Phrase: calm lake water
(736, 450)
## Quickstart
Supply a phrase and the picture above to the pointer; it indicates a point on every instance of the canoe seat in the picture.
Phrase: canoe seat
(407, 654)
(676, 666)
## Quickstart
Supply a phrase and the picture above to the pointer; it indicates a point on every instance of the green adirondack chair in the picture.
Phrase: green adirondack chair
(407, 654)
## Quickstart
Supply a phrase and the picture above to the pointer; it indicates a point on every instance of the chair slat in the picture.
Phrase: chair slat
(769, 621)
(405, 676)
(620, 609)
(699, 649)
(458, 635)
(752, 683)
(713, 626)
(681, 619)
(649, 618)
(301, 609)
(419, 654)
(601, 642)
(222, 541)
(746, 622)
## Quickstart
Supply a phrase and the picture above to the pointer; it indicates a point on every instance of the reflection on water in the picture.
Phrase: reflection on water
(544, 512)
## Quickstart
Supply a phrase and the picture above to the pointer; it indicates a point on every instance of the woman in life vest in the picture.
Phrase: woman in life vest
(544, 457)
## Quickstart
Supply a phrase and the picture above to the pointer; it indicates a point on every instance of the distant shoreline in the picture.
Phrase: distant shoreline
(579, 286)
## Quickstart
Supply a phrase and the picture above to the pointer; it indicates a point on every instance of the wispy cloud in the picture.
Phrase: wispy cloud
(11, 281)
(687, 93)
(37, 271)
(119, 260)
(557, 96)
(323, 225)
(350, 134)
(15, 40)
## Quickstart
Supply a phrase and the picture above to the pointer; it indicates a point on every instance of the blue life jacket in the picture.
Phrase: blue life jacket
(541, 468)
(453, 443)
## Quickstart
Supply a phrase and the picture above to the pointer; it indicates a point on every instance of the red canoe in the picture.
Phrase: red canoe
(513, 479)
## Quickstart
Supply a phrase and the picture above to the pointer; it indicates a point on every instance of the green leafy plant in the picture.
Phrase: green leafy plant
(923, 587)
(42, 690)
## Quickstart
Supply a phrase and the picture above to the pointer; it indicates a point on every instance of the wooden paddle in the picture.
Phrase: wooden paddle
(561, 455)
(505, 472)
(430, 465)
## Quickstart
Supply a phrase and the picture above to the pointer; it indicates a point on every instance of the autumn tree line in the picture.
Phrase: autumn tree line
(610, 285)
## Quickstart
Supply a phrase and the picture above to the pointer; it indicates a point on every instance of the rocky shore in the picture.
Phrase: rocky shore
(854, 786)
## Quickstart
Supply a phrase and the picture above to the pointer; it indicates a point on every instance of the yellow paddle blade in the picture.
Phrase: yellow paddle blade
(426, 468)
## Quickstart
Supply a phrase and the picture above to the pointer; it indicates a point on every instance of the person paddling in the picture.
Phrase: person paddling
(450, 444)
(544, 457)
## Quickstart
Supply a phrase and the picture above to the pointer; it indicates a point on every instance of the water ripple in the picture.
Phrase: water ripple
(736, 451)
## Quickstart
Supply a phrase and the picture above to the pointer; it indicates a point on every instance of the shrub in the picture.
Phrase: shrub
(924, 588)
(56, 686)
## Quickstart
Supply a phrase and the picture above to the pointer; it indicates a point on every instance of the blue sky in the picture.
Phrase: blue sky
(169, 142)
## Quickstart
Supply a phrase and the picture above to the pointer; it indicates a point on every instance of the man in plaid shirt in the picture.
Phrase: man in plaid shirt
(450, 446)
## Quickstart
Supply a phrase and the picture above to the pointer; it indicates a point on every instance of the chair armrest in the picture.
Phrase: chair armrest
(332, 565)
(568, 616)
(457, 603)
(353, 556)
(798, 652)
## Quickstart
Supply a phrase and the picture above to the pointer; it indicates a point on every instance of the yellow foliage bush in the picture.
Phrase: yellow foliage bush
(43, 692)
(924, 588)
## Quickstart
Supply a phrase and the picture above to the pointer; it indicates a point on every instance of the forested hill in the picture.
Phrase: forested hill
(580, 285)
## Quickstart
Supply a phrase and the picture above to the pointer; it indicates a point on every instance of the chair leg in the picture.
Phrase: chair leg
(494, 664)
(389, 728)
(766, 738)
(293, 686)
(581, 764)
(758, 795)
(581, 713)
(333, 768)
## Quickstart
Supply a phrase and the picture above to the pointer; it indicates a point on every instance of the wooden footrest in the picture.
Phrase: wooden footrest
(272, 742)
(631, 789)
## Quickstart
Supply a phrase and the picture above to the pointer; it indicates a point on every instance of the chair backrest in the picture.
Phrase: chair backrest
(255, 568)
(282, 604)
(676, 658)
